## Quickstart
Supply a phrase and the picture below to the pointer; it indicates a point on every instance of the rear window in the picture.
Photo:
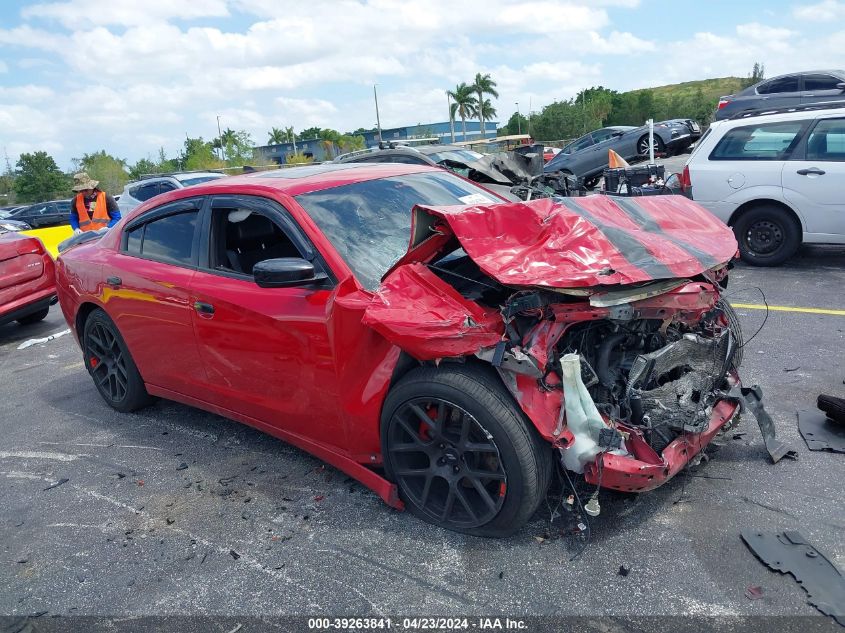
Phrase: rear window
(767, 141)
(195, 181)
(820, 82)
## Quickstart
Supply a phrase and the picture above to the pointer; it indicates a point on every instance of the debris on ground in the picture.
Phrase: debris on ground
(61, 481)
(38, 341)
(754, 592)
(833, 407)
(820, 432)
(182, 466)
(624, 571)
(789, 552)
(233, 554)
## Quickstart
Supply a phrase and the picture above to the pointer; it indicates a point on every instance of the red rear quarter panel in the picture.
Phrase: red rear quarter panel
(27, 272)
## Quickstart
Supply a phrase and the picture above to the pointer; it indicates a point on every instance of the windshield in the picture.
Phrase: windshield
(195, 181)
(459, 155)
(369, 223)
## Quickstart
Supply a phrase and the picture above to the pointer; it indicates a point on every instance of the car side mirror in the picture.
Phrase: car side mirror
(285, 272)
(618, 133)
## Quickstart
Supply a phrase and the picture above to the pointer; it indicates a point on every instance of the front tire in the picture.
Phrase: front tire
(111, 366)
(464, 457)
(767, 235)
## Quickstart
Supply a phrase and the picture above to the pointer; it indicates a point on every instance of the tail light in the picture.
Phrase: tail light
(686, 183)
(723, 101)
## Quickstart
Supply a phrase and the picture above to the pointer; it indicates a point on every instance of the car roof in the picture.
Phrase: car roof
(197, 174)
(294, 181)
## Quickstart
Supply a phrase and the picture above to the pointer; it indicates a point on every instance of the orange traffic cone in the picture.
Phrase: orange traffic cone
(615, 161)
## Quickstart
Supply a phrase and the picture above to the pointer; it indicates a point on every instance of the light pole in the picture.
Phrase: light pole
(518, 122)
(378, 120)
(220, 138)
(451, 120)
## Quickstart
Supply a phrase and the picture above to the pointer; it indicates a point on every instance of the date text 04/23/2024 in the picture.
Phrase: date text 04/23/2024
(416, 624)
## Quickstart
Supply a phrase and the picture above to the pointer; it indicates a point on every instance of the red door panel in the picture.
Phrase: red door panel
(152, 309)
(267, 354)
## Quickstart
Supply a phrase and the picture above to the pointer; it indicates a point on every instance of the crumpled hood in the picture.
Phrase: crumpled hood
(577, 242)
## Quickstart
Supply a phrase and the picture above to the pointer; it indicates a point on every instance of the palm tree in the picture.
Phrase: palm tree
(487, 111)
(229, 136)
(483, 85)
(277, 136)
(463, 102)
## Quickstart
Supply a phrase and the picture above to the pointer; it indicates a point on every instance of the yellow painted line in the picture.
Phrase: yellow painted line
(757, 306)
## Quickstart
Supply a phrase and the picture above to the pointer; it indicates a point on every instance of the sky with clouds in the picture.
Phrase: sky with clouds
(129, 77)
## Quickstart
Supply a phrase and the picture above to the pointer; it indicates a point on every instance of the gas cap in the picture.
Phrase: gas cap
(736, 181)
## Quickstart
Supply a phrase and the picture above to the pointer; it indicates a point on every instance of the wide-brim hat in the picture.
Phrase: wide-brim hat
(83, 181)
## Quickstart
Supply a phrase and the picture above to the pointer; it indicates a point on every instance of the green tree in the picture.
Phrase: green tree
(464, 104)
(7, 182)
(110, 171)
(238, 147)
(199, 154)
(142, 167)
(517, 124)
(487, 111)
(758, 73)
(308, 134)
(277, 136)
(483, 85)
(37, 178)
(298, 159)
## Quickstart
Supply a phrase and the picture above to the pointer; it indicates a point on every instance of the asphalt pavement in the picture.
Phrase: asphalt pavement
(173, 511)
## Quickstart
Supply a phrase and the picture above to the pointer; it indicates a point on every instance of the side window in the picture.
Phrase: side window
(166, 186)
(582, 143)
(144, 192)
(407, 159)
(168, 239)
(242, 237)
(63, 206)
(820, 82)
(602, 135)
(827, 141)
(769, 141)
(782, 84)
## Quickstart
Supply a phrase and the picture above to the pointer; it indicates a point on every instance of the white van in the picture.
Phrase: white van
(776, 176)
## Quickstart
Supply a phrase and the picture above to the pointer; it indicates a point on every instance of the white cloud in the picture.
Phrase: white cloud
(825, 11)
(83, 13)
(4, 68)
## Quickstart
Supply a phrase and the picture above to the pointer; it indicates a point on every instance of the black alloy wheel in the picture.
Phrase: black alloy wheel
(462, 453)
(446, 462)
(110, 364)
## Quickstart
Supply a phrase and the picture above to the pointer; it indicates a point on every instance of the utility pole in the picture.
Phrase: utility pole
(220, 138)
(293, 140)
(518, 122)
(378, 120)
(529, 117)
(451, 120)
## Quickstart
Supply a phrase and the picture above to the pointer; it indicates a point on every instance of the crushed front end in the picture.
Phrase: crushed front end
(604, 318)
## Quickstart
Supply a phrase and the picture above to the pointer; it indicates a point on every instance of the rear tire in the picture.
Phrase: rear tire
(35, 317)
(463, 455)
(642, 145)
(767, 235)
(111, 366)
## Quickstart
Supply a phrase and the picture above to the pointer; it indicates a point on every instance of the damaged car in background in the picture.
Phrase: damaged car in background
(446, 348)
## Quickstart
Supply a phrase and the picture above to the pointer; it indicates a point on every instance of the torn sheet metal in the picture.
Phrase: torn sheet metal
(821, 433)
(428, 318)
(789, 552)
(580, 242)
(751, 399)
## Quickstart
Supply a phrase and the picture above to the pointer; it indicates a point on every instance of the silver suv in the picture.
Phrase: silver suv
(134, 193)
(776, 177)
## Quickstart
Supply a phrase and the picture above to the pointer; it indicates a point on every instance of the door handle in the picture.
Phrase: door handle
(114, 281)
(812, 170)
(203, 308)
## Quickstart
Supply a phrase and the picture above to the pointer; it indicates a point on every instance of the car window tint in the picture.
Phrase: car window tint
(145, 192)
(827, 141)
(170, 238)
(63, 206)
(603, 135)
(783, 84)
(581, 143)
(369, 223)
(166, 186)
(133, 240)
(769, 141)
(820, 82)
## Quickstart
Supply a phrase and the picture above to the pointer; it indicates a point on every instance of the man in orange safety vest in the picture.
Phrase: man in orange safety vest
(91, 208)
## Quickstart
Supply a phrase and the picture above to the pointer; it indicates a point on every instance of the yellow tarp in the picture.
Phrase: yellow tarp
(51, 237)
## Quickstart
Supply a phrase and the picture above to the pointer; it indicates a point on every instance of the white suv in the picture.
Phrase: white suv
(776, 176)
(136, 192)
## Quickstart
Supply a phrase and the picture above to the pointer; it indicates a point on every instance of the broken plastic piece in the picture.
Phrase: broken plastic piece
(754, 592)
(789, 552)
(821, 433)
(751, 399)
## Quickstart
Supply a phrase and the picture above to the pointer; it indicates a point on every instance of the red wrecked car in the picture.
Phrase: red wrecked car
(27, 279)
(441, 346)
